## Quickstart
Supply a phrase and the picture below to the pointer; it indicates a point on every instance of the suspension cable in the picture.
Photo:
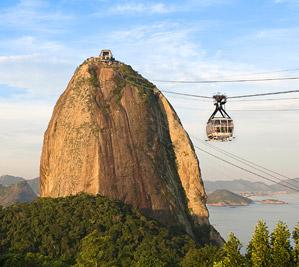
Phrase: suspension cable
(228, 81)
(249, 163)
(244, 169)
(264, 94)
(233, 97)
(183, 94)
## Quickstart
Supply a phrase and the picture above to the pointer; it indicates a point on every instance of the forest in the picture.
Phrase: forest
(89, 231)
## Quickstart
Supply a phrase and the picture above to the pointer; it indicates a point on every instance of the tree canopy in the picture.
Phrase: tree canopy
(86, 230)
(89, 231)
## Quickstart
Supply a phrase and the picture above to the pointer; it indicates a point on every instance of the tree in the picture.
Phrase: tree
(232, 252)
(97, 250)
(202, 257)
(280, 245)
(30, 260)
(155, 252)
(88, 230)
(259, 251)
(296, 247)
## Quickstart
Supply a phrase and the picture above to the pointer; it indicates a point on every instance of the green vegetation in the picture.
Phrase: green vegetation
(125, 74)
(296, 247)
(118, 91)
(93, 76)
(259, 250)
(90, 231)
(225, 197)
(281, 247)
(232, 253)
(144, 86)
(202, 257)
(85, 230)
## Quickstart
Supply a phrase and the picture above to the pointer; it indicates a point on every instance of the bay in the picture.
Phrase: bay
(241, 220)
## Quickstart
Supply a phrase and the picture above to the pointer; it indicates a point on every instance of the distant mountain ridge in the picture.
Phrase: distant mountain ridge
(16, 193)
(294, 183)
(14, 189)
(236, 186)
(34, 184)
(248, 186)
(7, 180)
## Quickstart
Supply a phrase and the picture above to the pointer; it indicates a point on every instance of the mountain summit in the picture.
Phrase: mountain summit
(113, 133)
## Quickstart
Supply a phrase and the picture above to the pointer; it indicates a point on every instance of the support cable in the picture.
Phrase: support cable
(244, 169)
(251, 164)
(233, 97)
(228, 81)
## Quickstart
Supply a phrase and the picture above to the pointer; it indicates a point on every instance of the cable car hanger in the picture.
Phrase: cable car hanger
(220, 101)
(221, 128)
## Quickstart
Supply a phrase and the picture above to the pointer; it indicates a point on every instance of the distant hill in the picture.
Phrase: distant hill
(227, 198)
(34, 184)
(240, 185)
(290, 182)
(16, 193)
(237, 186)
(7, 180)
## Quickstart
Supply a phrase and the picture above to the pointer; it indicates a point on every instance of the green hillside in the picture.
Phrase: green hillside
(225, 197)
(86, 231)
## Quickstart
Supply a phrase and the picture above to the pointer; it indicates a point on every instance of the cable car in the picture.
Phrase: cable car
(220, 128)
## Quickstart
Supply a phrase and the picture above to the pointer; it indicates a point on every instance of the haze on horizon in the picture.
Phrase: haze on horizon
(42, 43)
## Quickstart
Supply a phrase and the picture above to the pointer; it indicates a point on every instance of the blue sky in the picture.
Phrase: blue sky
(42, 42)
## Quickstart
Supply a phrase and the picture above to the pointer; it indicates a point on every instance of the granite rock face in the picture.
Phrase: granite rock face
(113, 133)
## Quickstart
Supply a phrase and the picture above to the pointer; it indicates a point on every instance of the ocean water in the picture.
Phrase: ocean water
(242, 220)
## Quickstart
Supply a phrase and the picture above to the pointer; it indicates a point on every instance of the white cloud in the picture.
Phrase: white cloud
(39, 74)
(41, 66)
(166, 51)
(163, 7)
(296, 2)
(23, 123)
(160, 51)
(137, 7)
(33, 15)
(17, 58)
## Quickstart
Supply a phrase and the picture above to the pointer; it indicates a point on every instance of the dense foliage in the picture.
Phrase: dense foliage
(88, 231)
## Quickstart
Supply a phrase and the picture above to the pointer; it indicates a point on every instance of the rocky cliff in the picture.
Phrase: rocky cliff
(113, 133)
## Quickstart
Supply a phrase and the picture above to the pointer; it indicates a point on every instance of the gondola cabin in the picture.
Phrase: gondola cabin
(220, 128)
